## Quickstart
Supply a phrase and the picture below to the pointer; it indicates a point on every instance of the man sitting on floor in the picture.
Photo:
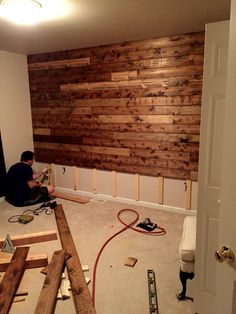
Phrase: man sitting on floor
(21, 187)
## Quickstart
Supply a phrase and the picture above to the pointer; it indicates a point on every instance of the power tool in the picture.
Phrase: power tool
(147, 225)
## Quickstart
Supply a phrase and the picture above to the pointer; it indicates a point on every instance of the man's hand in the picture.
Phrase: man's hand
(45, 170)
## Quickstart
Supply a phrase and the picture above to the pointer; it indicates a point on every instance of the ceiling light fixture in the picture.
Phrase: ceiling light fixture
(21, 11)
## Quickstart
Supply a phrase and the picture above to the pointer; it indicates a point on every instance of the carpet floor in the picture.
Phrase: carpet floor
(119, 289)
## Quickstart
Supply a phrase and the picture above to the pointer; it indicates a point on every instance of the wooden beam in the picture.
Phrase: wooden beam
(11, 279)
(47, 299)
(80, 292)
(30, 238)
(71, 197)
(32, 261)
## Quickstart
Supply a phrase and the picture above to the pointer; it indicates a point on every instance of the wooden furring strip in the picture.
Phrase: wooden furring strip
(81, 296)
(11, 279)
(47, 299)
(160, 190)
(32, 238)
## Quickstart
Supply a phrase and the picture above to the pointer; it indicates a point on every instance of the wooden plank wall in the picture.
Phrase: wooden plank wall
(132, 107)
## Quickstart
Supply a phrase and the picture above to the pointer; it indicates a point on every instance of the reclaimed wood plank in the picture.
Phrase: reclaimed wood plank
(136, 83)
(81, 296)
(121, 92)
(124, 75)
(165, 41)
(12, 278)
(32, 261)
(134, 89)
(47, 299)
(84, 148)
(70, 197)
(147, 110)
(135, 118)
(129, 102)
(65, 63)
(30, 238)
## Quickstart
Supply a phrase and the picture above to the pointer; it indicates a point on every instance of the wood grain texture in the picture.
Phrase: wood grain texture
(47, 299)
(30, 238)
(79, 288)
(32, 261)
(70, 197)
(112, 107)
(11, 279)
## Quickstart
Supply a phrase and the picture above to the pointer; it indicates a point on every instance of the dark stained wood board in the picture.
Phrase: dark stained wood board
(96, 107)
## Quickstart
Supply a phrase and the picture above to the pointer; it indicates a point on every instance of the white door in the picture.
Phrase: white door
(216, 218)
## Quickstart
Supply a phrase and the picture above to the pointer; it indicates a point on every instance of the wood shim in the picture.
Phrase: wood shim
(32, 238)
(47, 298)
(71, 197)
(81, 296)
(131, 261)
(32, 261)
(11, 279)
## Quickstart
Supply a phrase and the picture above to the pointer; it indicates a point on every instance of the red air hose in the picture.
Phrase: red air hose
(127, 226)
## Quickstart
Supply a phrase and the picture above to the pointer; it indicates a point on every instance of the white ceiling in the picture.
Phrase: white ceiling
(99, 22)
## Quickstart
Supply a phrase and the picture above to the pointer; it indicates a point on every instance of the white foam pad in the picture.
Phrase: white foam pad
(188, 242)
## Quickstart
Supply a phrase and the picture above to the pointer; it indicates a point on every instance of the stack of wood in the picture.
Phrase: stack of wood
(14, 266)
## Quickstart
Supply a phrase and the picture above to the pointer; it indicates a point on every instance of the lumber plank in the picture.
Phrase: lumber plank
(12, 278)
(127, 102)
(32, 261)
(70, 197)
(151, 110)
(81, 296)
(84, 148)
(30, 238)
(136, 119)
(138, 83)
(47, 299)
(59, 64)
(165, 41)
(128, 95)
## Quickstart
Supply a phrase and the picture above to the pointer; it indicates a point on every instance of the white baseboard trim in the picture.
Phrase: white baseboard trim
(127, 201)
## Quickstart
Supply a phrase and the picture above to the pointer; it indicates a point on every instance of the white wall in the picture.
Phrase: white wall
(15, 109)
(141, 190)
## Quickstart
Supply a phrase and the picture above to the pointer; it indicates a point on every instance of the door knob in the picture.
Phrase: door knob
(225, 254)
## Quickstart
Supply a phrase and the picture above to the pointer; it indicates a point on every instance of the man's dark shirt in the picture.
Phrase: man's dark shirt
(17, 190)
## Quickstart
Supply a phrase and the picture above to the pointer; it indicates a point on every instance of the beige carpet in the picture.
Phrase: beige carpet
(119, 289)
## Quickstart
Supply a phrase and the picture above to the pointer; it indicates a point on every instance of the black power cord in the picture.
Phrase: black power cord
(47, 208)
